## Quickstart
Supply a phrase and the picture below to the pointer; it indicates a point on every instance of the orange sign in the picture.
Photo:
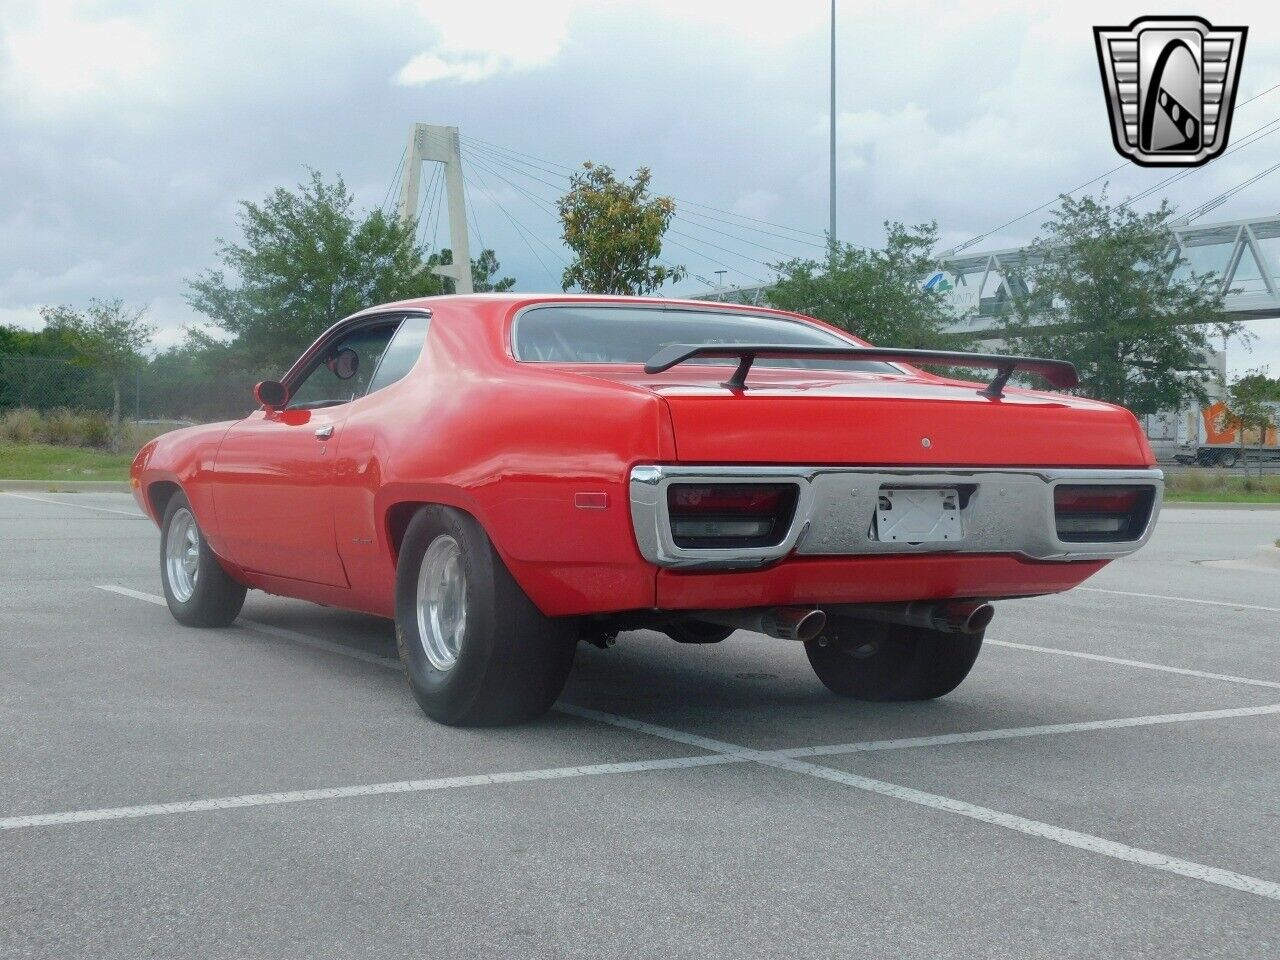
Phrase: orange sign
(1217, 429)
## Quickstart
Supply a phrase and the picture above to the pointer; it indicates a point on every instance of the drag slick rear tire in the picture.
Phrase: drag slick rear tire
(199, 592)
(889, 661)
(476, 650)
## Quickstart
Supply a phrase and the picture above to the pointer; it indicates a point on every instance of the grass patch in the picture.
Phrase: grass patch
(1218, 486)
(44, 461)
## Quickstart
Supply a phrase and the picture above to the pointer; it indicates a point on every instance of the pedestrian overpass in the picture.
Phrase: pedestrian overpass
(1244, 254)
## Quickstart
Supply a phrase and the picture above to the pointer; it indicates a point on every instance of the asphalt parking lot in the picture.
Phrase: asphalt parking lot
(1105, 784)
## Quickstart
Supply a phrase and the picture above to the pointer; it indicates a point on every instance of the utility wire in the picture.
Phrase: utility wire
(719, 263)
(1116, 169)
(681, 211)
(702, 226)
(733, 253)
(1249, 140)
(1227, 194)
(780, 226)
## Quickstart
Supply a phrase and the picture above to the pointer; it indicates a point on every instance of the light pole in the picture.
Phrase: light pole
(831, 229)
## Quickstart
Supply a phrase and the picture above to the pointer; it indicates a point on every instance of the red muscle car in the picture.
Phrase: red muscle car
(508, 475)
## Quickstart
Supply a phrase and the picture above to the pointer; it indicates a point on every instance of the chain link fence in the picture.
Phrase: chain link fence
(49, 383)
(151, 392)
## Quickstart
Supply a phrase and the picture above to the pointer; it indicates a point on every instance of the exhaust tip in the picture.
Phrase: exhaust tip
(809, 625)
(793, 623)
(980, 618)
(970, 617)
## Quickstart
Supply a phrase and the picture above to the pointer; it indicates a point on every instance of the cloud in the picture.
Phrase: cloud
(61, 56)
(129, 129)
(484, 38)
(26, 318)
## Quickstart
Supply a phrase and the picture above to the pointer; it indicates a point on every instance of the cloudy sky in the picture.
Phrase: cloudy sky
(130, 129)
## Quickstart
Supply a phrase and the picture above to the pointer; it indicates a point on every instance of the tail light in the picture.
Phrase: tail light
(730, 514)
(1092, 514)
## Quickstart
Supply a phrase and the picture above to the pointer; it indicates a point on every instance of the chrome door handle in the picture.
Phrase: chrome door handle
(324, 433)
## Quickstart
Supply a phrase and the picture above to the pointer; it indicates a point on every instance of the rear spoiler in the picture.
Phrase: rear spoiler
(1060, 373)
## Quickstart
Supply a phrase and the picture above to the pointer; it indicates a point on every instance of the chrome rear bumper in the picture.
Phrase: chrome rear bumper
(1006, 511)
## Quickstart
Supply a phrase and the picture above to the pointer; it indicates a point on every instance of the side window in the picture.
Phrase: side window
(343, 372)
(402, 354)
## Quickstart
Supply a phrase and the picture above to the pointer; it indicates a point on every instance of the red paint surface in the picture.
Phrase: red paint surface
(513, 443)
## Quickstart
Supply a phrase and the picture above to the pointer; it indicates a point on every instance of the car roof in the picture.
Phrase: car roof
(509, 298)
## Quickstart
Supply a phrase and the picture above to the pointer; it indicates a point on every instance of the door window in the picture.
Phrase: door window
(344, 370)
(402, 354)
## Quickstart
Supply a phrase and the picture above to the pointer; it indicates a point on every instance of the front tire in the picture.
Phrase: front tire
(476, 650)
(889, 661)
(199, 592)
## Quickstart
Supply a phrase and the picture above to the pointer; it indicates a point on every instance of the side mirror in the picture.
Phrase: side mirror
(271, 394)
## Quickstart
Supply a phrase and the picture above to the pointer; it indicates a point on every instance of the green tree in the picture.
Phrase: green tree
(1253, 404)
(876, 294)
(307, 258)
(1107, 289)
(615, 229)
(484, 272)
(107, 336)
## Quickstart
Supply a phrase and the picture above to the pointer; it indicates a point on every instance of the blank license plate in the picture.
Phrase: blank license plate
(918, 516)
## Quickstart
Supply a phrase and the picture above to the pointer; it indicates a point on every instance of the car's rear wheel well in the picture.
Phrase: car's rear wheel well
(159, 494)
(401, 514)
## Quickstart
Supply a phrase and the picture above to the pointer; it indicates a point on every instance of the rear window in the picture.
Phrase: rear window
(601, 334)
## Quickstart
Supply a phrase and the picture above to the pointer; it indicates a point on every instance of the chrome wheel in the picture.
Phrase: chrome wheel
(442, 602)
(182, 555)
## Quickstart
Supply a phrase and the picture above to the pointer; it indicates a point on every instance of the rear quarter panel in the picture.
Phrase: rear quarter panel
(512, 444)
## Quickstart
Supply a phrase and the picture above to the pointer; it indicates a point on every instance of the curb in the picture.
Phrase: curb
(68, 486)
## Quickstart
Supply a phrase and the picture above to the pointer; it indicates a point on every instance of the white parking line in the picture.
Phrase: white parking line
(1160, 596)
(136, 594)
(81, 506)
(346, 651)
(1143, 664)
(1015, 733)
(266, 629)
(1035, 828)
(787, 759)
(719, 752)
(362, 790)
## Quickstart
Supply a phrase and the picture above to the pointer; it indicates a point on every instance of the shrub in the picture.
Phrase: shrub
(21, 425)
(60, 427)
(93, 430)
(134, 435)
